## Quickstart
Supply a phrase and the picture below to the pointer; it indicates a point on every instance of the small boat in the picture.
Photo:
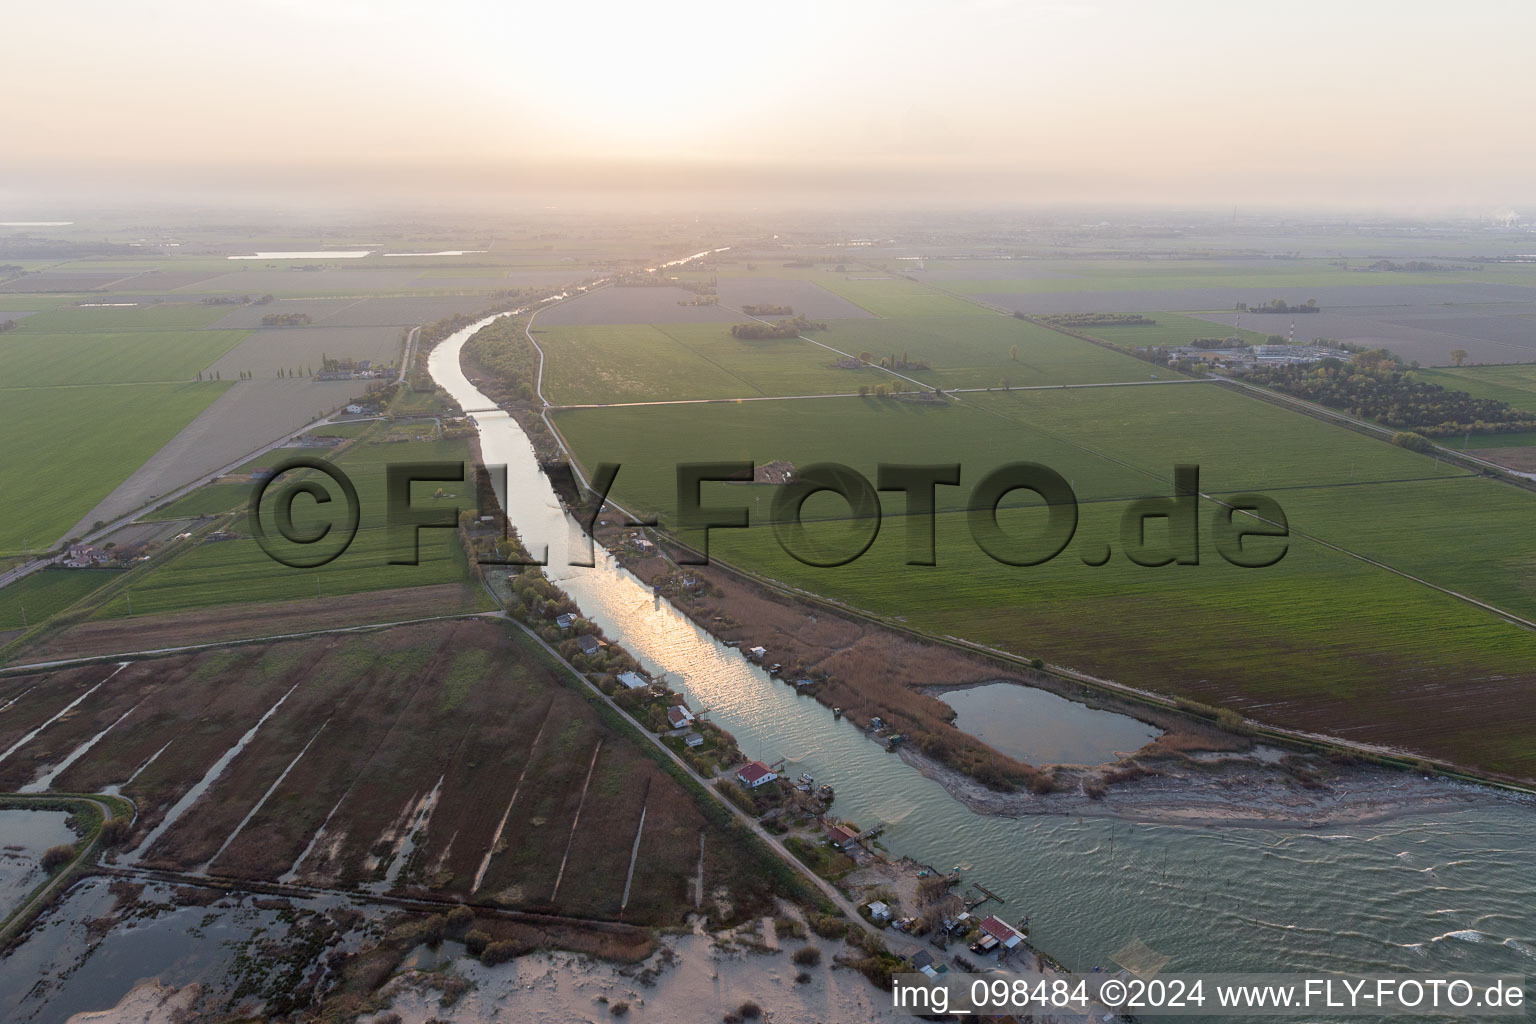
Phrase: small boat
(837, 712)
(805, 777)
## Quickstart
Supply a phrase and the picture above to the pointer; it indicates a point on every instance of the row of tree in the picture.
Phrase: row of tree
(1375, 385)
(779, 329)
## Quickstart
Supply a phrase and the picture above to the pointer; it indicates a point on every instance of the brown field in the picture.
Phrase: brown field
(244, 621)
(269, 349)
(387, 759)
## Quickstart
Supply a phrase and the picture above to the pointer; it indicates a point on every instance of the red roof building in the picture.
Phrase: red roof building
(755, 774)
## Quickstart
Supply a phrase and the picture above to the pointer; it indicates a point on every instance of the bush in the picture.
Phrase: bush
(498, 953)
(115, 831)
(830, 926)
(459, 919)
(802, 978)
(58, 856)
(807, 956)
(749, 1010)
(475, 941)
(433, 930)
(619, 1008)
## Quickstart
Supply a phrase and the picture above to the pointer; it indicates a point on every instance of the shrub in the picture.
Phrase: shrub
(459, 919)
(807, 956)
(433, 930)
(58, 856)
(749, 1010)
(475, 941)
(830, 926)
(498, 953)
(115, 831)
(619, 1008)
(802, 978)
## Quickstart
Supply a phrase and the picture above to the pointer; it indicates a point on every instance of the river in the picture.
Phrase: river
(1432, 892)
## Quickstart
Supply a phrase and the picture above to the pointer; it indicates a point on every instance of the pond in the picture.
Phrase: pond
(25, 835)
(1041, 728)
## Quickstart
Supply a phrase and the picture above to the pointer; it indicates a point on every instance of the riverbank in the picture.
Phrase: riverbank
(1262, 787)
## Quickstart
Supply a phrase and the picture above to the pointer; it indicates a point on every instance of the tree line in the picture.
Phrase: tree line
(1375, 385)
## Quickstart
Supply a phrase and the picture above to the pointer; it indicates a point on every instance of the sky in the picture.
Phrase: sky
(1333, 103)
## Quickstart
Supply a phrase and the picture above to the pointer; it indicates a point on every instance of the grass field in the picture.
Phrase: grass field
(1171, 329)
(68, 447)
(894, 296)
(1514, 383)
(1322, 640)
(210, 499)
(32, 359)
(33, 599)
(239, 571)
(647, 362)
(1133, 275)
(168, 316)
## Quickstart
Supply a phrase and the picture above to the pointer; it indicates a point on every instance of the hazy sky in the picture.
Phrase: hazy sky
(1344, 101)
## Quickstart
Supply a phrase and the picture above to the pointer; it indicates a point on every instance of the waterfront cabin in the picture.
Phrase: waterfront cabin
(693, 739)
(754, 774)
(841, 837)
(589, 644)
(679, 717)
(997, 934)
(879, 912)
(565, 621)
(757, 653)
(634, 680)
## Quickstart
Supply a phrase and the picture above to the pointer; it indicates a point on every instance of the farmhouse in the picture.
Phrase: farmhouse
(679, 716)
(693, 739)
(755, 774)
(633, 680)
(355, 410)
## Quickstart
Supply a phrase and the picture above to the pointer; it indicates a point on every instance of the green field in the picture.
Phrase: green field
(1514, 383)
(31, 600)
(31, 360)
(238, 571)
(649, 362)
(1170, 330)
(68, 447)
(169, 316)
(1321, 640)
(1109, 275)
(207, 500)
(894, 296)
(977, 351)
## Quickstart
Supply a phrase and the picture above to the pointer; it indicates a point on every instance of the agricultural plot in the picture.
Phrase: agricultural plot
(1176, 329)
(648, 362)
(1334, 298)
(806, 298)
(265, 351)
(889, 296)
(1515, 384)
(1322, 640)
(30, 359)
(979, 351)
(150, 316)
(29, 601)
(659, 305)
(469, 757)
(239, 571)
(366, 312)
(69, 447)
(1428, 337)
(248, 415)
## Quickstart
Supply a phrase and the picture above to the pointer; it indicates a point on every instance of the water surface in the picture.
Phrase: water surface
(1041, 728)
